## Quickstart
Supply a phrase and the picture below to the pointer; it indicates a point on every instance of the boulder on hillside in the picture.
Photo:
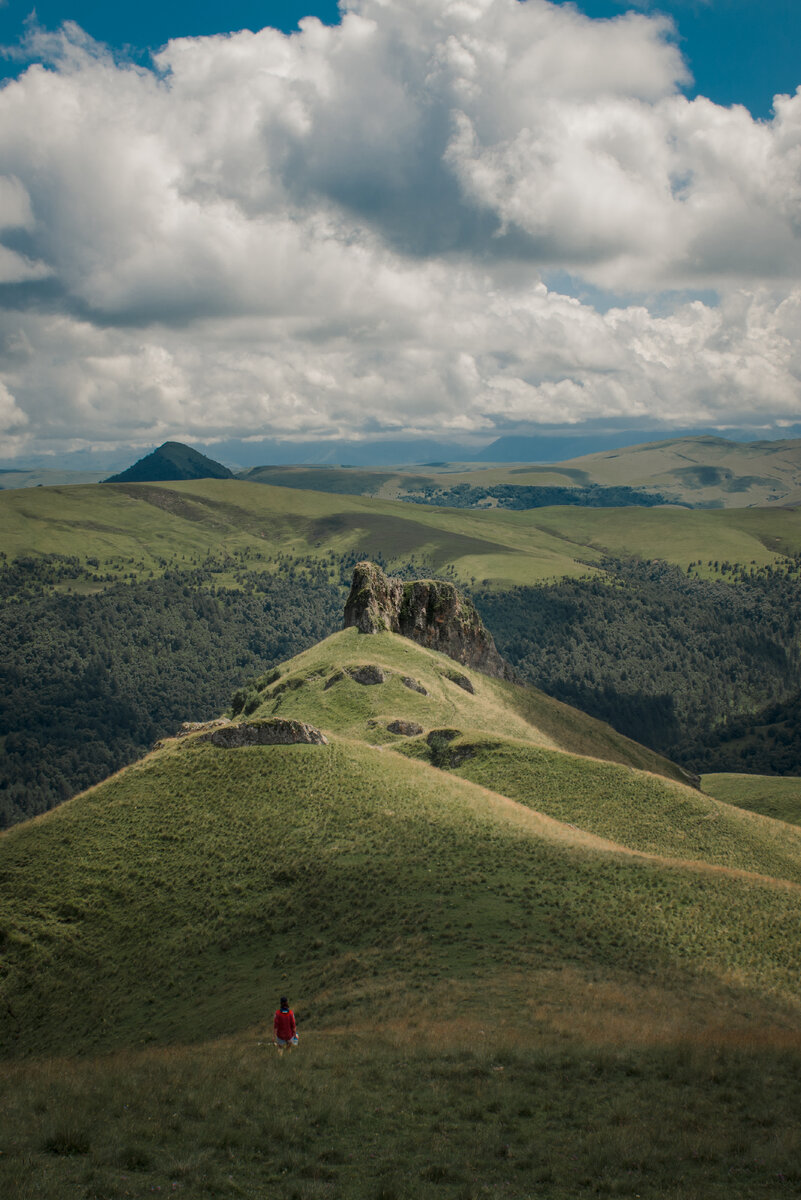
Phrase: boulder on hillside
(367, 675)
(405, 728)
(461, 681)
(431, 612)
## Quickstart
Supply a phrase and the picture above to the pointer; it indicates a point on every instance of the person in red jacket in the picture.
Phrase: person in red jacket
(284, 1030)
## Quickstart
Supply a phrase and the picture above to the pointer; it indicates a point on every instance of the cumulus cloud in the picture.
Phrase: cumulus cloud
(344, 231)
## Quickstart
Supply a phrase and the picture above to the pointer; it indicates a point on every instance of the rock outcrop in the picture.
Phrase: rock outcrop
(428, 611)
(275, 731)
(368, 675)
(413, 685)
(405, 728)
(461, 681)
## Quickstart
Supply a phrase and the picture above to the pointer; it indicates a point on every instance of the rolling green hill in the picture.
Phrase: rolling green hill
(708, 472)
(705, 470)
(522, 964)
(142, 527)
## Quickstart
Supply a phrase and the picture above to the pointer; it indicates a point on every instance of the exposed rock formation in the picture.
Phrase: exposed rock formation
(375, 600)
(461, 681)
(439, 737)
(413, 685)
(429, 611)
(405, 728)
(367, 674)
(275, 731)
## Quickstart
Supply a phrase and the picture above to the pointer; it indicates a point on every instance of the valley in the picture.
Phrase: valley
(129, 607)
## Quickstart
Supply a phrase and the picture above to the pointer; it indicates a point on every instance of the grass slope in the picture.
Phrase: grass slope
(406, 1114)
(642, 812)
(155, 525)
(774, 796)
(313, 686)
(143, 527)
(166, 904)
(706, 471)
(160, 904)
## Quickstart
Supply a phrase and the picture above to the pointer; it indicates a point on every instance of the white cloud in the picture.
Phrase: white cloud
(342, 231)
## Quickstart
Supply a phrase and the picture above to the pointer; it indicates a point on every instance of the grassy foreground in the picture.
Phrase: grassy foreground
(563, 977)
(405, 1114)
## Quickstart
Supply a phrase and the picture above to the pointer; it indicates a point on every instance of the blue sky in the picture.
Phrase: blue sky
(431, 219)
(739, 51)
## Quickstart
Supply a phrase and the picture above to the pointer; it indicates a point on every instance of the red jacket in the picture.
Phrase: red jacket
(284, 1024)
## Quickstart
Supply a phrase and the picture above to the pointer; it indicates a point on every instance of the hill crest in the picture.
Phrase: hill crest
(431, 612)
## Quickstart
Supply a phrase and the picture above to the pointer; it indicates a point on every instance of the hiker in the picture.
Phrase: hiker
(285, 1033)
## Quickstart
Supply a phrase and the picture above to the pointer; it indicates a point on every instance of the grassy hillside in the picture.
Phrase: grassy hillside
(315, 687)
(361, 875)
(774, 796)
(705, 471)
(640, 812)
(503, 982)
(142, 527)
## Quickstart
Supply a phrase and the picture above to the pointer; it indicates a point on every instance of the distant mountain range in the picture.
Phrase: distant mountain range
(555, 445)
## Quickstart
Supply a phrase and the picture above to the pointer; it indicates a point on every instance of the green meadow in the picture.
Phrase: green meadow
(132, 529)
(404, 1114)
(314, 686)
(522, 964)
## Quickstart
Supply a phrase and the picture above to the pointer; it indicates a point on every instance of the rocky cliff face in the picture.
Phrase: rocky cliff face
(429, 611)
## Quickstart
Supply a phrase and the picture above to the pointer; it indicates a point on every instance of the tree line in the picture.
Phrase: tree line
(523, 496)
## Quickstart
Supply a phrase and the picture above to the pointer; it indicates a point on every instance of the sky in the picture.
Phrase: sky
(436, 219)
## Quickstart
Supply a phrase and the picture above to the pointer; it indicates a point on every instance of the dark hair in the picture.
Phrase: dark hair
(283, 1002)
